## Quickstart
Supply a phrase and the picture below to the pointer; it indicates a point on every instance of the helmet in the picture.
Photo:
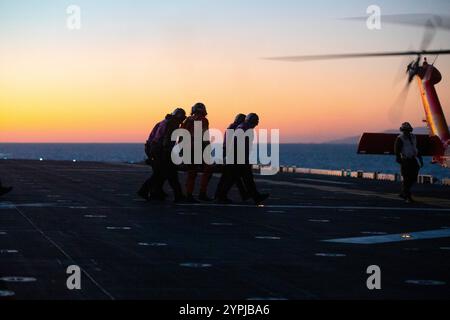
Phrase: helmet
(239, 118)
(252, 119)
(199, 109)
(179, 113)
(406, 127)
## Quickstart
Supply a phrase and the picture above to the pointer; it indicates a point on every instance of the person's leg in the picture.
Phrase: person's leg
(242, 190)
(248, 180)
(174, 182)
(190, 183)
(219, 189)
(206, 177)
(413, 177)
(227, 180)
(246, 172)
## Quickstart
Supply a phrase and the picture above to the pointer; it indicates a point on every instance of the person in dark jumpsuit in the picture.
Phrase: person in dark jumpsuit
(409, 158)
(242, 171)
(240, 118)
(159, 148)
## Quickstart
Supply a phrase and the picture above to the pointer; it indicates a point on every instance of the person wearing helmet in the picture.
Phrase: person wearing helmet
(244, 171)
(4, 190)
(410, 160)
(158, 149)
(198, 114)
(240, 118)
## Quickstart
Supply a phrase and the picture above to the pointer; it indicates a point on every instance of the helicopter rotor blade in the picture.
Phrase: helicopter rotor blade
(397, 109)
(411, 19)
(358, 55)
(430, 33)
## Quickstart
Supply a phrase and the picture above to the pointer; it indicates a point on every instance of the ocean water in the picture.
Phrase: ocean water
(317, 156)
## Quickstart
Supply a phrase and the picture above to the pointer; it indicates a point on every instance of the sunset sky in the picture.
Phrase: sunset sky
(134, 61)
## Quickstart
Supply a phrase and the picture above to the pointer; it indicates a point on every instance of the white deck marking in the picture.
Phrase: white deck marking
(26, 205)
(267, 238)
(153, 244)
(299, 206)
(17, 279)
(195, 265)
(6, 293)
(422, 235)
(426, 282)
(8, 251)
(330, 255)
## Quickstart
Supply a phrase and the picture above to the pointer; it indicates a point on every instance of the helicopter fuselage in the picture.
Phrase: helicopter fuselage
(427, 77)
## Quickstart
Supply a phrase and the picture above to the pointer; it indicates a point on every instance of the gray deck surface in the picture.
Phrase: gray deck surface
(87, 214)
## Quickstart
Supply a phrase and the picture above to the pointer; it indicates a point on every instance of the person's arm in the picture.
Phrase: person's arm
(398, 150)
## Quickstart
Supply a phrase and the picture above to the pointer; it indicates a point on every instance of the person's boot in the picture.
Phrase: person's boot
(204, 197)
(260, 198)
(190, 199)
(409, 199)
(5, 190)
(144, 195)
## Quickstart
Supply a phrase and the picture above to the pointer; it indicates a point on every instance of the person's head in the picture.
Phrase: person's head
(179, 115)
(252, 120)
(240, 118)
(406, 128)
(199, 109)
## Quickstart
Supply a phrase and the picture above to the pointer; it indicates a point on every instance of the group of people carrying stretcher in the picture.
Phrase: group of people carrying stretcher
(159, 148)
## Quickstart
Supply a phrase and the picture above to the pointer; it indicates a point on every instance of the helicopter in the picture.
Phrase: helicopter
(436, 143)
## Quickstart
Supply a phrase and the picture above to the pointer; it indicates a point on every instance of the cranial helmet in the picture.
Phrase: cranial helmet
(240, 118)
(179, 113)
(199, 109)
(406, 127)
(252, 119)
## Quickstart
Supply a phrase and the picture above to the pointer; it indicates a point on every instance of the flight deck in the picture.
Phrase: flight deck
(313, 239)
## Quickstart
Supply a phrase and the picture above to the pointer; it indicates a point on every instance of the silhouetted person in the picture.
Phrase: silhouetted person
(409, 159)
(4, 190)
(240, 118)
(153, 150)
(237, 171)
(198, 114)
(160, 150)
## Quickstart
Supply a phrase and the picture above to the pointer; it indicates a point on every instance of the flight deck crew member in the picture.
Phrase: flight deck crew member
(240, 118)
(159, 153)
(4, 190)
(198, 114)
(153, 148)
(409, 159)
(243, 171)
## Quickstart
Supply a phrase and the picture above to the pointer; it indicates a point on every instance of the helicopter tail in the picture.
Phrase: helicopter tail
(383, 144)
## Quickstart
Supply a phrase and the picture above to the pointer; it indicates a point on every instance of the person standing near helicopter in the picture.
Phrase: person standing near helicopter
(409, 159)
